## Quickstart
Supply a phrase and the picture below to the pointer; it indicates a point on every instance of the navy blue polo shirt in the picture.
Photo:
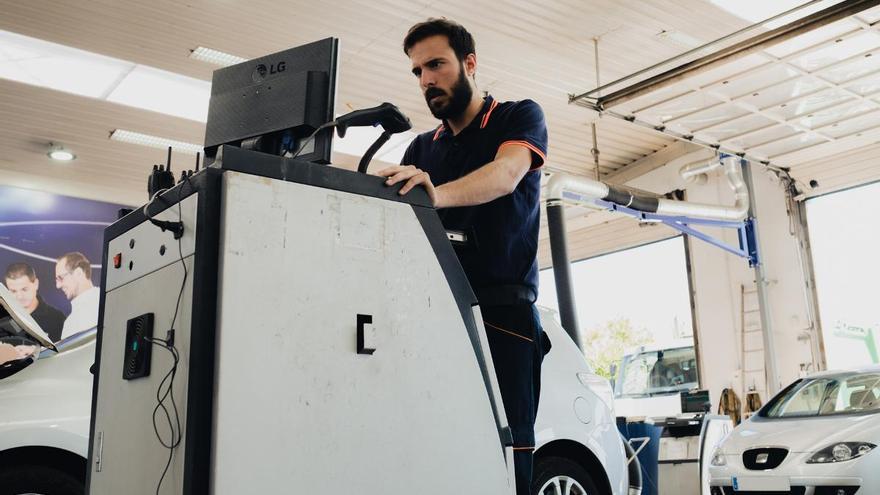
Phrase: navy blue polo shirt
(502, 234)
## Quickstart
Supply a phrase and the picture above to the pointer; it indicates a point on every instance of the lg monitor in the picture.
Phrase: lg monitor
(273, 104)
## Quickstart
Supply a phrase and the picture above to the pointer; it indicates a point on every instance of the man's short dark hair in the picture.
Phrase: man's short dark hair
(459, 38)
(77, 260)
(18, 270)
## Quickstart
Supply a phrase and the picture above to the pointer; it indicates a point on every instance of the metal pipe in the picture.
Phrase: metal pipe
(801, 232)
(698, 49)
(562, 271)
(696, 172)
(595, 150)
(737, 212)
(584, 190)
(588, 189)
(763, 299)
(738, 50)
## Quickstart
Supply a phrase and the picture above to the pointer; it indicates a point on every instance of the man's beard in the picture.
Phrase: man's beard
(456, 103)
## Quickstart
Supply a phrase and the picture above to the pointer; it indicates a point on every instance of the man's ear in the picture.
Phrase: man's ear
(470, 64)
(36, 285)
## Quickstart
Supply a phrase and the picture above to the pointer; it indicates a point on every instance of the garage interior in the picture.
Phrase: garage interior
(676, 102)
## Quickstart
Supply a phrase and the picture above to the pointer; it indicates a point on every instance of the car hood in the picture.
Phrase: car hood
(803, 435)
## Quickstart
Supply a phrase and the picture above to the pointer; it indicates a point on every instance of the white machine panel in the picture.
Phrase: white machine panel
(297, 408)
(128, 456)
(146, 248)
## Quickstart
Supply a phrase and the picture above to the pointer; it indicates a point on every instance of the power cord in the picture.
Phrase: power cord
(168, 344)
(310, 138)
(175, 227)
(161, 397)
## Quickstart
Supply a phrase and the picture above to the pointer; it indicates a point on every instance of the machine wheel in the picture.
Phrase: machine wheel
(38, 480)
(561, 476)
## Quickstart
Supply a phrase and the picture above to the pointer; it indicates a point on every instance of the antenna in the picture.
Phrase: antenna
(168, 162)
(198, 155)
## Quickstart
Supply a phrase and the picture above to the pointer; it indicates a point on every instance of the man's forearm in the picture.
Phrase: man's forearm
(487, 183)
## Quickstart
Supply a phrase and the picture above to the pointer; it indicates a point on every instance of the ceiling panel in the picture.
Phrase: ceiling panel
(817, 92)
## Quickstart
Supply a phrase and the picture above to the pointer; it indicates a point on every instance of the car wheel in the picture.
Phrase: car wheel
(561, 476)
(38, 480)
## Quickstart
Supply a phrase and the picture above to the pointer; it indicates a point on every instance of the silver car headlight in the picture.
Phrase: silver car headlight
(840, 452)
(719, 459)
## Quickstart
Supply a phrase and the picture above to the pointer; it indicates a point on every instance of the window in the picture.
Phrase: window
(844, 241)
(627, 299)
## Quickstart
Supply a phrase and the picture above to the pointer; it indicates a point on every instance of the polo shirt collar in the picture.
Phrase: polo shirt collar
(479, 121)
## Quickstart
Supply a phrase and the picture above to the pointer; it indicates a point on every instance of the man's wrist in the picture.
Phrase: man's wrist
(439, 197)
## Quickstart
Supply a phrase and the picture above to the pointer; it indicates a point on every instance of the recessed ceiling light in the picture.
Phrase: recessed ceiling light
(215, 57)
(60, 153)
(131, 137)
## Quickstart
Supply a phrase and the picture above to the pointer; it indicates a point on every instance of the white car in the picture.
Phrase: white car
(44, 423)
(816, 437)
(44, 419)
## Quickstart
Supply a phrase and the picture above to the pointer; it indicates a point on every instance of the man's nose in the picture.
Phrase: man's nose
(427, 80)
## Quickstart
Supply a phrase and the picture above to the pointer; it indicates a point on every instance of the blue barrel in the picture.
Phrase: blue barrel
(649, 455)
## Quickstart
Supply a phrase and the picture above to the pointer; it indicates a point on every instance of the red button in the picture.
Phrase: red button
(117, 260)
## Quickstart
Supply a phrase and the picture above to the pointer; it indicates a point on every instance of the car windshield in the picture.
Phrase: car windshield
(851, 393)
(657, 372)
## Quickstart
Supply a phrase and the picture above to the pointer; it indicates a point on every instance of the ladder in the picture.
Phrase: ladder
(754, 374)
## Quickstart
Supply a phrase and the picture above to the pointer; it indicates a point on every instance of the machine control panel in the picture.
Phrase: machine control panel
(147, 248)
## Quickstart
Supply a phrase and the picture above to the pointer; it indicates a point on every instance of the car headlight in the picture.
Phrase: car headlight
(840, 452)
(718, 459)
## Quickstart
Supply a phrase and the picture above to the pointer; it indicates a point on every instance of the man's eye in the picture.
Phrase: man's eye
(417, 73)
(434, 64)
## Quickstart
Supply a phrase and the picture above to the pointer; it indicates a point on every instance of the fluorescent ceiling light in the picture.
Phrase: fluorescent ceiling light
(131, 137)
(215, 57)
(758, 10)
(63, 68)
(164, 92)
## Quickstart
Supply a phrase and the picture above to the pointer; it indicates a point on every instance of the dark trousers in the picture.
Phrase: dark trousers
(518, 345)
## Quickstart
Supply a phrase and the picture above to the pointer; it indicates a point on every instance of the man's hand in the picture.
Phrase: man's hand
(413, 177)
(7, 353)
(25, 350)
(12, 353)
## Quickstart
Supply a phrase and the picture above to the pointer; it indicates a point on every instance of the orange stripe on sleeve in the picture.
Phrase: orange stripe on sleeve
(528, 145)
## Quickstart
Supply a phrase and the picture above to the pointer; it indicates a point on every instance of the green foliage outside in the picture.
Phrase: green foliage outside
(606, 345)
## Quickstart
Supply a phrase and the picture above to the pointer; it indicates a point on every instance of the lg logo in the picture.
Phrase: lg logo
(262, 71)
